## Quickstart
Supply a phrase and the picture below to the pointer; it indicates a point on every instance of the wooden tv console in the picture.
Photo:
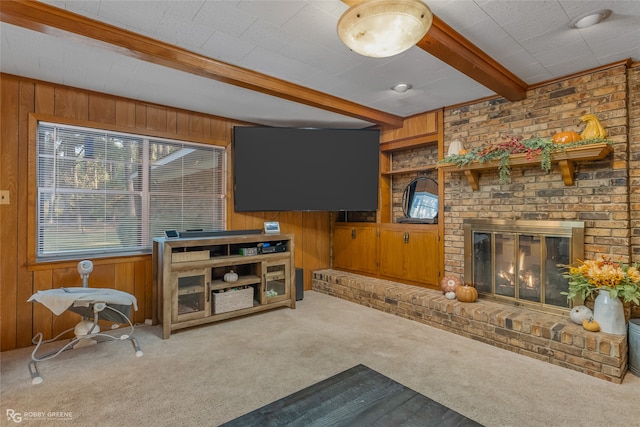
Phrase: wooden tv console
(189, 277)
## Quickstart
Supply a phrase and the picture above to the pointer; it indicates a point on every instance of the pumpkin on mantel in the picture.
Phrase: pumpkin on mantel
(466, 293)
(566, 137)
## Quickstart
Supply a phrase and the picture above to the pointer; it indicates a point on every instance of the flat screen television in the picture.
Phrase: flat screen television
(291, 169)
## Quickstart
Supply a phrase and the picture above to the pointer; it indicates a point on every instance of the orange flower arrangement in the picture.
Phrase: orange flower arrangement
(588, 277)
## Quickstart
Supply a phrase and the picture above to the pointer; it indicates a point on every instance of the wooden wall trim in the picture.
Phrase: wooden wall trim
(52, 265)
(125, 129)
(623, 63)
(48, 19)
(410, 142)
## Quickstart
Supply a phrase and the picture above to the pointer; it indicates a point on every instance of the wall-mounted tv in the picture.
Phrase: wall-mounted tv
(290, 169)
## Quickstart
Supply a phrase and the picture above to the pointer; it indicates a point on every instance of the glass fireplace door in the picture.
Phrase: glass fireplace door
(523, 267)
(529, 274)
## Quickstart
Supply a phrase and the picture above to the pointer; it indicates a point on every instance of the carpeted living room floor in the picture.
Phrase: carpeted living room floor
(208, 375)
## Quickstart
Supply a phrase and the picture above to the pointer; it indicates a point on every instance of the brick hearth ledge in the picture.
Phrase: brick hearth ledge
(551, 338)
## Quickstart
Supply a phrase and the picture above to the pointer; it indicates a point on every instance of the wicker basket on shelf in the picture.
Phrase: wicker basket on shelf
(232, 300)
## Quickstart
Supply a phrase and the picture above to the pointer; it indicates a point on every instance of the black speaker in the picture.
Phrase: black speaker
(299, 284)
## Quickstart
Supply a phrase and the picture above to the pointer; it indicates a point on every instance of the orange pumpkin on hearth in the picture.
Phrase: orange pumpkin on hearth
(466, 293)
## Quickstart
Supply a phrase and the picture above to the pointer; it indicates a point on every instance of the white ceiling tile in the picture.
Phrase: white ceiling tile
(457, 14)
(319, 57)
(225, 17)
(538, 45)
(266, 35)
(272, 63)
(275, 12)
(317, 25)
(133, 14)
(185, 9)
(525, 19)
(180, 31)
(87, 8)
(226, 48)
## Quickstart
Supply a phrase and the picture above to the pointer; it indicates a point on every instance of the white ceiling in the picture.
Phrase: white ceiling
(296, 41)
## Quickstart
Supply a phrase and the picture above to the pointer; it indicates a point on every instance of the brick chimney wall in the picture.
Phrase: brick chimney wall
(634, 160)
(606, 193)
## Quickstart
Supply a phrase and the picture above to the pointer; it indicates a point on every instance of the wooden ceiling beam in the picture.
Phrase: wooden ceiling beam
(47, 19)
(449, 46)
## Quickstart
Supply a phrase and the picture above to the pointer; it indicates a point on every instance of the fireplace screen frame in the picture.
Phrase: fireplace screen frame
(574, 230)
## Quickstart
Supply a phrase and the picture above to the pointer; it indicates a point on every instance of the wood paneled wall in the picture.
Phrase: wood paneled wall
(20, 277)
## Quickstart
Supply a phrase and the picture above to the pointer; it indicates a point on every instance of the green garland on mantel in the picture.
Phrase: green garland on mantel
(532, 147)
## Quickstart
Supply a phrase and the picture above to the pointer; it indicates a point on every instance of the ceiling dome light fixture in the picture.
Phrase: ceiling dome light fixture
(382, 28)
(402, 87)
(590, 19)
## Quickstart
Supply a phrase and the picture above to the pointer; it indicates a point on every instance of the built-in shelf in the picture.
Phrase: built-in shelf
(409, 170)
(565, 159)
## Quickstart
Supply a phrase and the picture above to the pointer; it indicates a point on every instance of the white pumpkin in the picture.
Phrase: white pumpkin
(450, 295)
(580, 313)
(230, 277)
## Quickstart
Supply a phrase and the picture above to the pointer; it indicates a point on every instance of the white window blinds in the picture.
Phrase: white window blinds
(108, 192)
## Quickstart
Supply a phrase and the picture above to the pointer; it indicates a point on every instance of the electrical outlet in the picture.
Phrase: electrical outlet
(4, 197)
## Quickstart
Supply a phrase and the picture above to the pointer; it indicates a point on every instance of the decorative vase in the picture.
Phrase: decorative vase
(609, 313)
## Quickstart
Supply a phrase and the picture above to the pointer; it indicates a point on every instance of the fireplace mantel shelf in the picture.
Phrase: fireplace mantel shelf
(564, 159)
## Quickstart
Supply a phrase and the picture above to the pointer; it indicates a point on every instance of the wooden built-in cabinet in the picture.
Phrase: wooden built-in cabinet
(403, 252)
(193, 277)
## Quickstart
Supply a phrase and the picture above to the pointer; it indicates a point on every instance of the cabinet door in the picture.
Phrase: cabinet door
(393, 253)
(191, 297)
(422, 260)
(410, 255)
(277, 281)
(356, 248)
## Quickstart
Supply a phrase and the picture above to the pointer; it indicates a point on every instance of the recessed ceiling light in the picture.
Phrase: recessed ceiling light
(402, 87)
(590, 19)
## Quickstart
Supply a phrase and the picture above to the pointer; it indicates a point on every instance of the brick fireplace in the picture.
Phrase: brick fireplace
(603, 195)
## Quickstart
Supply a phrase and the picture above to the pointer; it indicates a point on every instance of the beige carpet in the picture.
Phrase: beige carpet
(208, 375)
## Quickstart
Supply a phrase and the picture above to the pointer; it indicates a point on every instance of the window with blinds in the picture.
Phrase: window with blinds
(104, 192)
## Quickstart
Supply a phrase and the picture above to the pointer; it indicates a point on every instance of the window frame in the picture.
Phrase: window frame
(32, 178)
